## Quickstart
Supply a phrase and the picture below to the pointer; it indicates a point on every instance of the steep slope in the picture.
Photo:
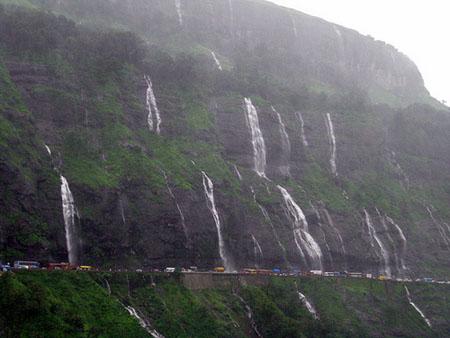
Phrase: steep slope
(225, 131)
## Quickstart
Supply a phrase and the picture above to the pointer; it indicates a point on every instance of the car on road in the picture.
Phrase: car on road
(5, 267)
(26, 265)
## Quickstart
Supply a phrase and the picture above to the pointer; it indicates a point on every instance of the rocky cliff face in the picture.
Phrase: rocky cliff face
(341, 164)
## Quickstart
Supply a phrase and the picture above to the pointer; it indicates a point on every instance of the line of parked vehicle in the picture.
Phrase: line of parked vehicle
(33, 265)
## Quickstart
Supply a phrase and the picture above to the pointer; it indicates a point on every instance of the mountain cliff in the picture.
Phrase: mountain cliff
(236, 133)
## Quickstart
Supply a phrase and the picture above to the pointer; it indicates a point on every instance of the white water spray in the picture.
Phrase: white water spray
(440, 228)
(152, 106)
(180, 212)
(408, 295)
(332, 141)
(336, 230)
(374, 237)
(68, 206)
(143, 323)
(48, 149)
(122, 211)
(216, 60)
(250, 317)
(179, 12)
(238, 174)
(294, 26)
(302, 237)
(209, 193)
(257, 248)
(286, 144)
(259, 146)
(274, 231)
(403, 239)
(307, 303)
(302, 128)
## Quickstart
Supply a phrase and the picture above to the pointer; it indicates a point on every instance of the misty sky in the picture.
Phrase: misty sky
(417, 28)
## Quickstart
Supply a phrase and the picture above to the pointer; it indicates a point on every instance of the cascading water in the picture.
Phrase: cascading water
(274, 231)
(338, 32)
(398, 168)
(390, 239)
(209, 193)
(216, 60)
(294, 26)
(48, 149)
(332, 142)
(374, 237)
(179, 12)
(302, 237)
(259, 146)
(257, 249)
(152, 106)
(238, 174)
(69, 211)
(336, 230)
(440, 228)
(122, 211)
(180, 212)
(250, 316)
(302, 128)
(286, 144)
(408, 295)
(143, 323)
(307, 304)
(403, 239)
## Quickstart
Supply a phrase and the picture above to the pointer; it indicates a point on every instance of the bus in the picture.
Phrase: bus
(26, 265)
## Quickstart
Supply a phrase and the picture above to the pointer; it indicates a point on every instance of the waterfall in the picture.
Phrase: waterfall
(257, 249)
(440, 228)
(408, 295)
(209, 193)
(230, 7)
(307, 303)
(392, 159)
(294, 26)
(302, 128)
(180, 212)
(374, 237)
(179, 12)
(403, 239)
(68, 205)
(48, 149)
(390, 239)
(152, 106)
(143, 323)
(108, 287)
(302, 237)
(338, 32)
(250, 316)
(286, 144)
(259, 146)
(238, 174)
(336, 230)
(274, 231)
(332, 141)
(216, 60)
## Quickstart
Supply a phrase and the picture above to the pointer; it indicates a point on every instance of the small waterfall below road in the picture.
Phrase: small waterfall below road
(180, 212)
(312, 310)
(274, 231)
(285, 143)
(257, 249)
(152, 106)
(408, 295)
(69, 212)
(250, 316)
(122, 211)
(332, 141)
(374, 238)
(439, 226)
(259, 146)
(302, 128)
(179, 12)
(143, 323)
(209, 193)
(302, 237)
(216, 60)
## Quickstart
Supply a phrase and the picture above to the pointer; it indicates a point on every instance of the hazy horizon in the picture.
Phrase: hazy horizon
(417, 29)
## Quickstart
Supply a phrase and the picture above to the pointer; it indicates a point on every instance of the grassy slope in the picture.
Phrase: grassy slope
(38, 304)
